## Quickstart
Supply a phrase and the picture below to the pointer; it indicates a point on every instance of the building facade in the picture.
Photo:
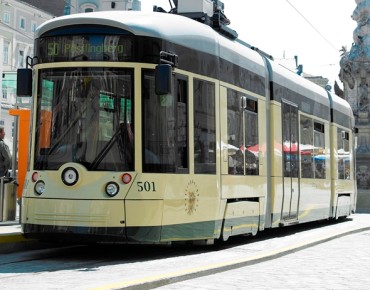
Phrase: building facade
(355, 75)
(66, 7)
(18, 22)
(85, 6)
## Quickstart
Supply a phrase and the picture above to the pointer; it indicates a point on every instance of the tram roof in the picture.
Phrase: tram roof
(299, 84)
(177, 29)
(192, 34)
(340, 105)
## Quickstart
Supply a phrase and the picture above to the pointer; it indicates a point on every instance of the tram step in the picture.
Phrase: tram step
(288, 222)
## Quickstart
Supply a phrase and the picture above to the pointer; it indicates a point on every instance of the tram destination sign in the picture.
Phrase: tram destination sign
(84, 48)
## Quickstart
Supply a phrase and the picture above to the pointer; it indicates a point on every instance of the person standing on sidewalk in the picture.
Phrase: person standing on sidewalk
(5, 156)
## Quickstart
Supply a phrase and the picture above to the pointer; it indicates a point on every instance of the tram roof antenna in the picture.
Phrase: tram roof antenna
(269, 56)
(173, 4)
(158, 9)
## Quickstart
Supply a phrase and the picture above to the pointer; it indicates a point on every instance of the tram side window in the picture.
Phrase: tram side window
(204, 127)
(165, 127)
(343, 154)
(307, 147)
(319, 157)
(242, 134)
(312, 149)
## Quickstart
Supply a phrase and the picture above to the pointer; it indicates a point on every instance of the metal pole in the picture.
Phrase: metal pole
(15, 148)
(1, 198)
(15, 161)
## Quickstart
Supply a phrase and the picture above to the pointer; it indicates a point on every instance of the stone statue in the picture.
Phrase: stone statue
(355, 75)
(355, 63)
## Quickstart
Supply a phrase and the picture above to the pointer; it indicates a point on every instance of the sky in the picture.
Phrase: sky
(313, 30)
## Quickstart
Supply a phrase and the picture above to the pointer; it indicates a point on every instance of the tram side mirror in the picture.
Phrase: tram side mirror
(163, 79)
(24, 82)
(244, 102)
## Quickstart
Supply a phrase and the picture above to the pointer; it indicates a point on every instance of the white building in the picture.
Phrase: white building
(84, 6)
(18, 21)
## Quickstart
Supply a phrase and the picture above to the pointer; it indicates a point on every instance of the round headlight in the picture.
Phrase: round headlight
(40, 187)
(111, 189)
(69, 176)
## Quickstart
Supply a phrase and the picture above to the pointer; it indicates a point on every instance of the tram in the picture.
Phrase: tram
(166, 127)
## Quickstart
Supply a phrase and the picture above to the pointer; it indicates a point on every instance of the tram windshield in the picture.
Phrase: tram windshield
(85, 115)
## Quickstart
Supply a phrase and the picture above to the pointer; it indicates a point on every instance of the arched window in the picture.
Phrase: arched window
(88, 7)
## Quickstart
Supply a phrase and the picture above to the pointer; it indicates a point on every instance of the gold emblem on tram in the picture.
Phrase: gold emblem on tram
(191, 197)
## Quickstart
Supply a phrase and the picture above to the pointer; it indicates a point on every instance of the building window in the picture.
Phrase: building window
(33, 26)
(20, 58)
(22, 23)
(6, 17)
(5, 94)
(5, 53)
(88, 7)
(2, 122)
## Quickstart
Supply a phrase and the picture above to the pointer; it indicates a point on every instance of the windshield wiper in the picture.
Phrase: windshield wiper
(107, 147)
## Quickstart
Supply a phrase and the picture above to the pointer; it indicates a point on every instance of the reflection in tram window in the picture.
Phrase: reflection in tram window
(319, 151)
(165, 127)
(242, 132)
(204, 127)
(85, 116)
(290, 139)
(306, 147)
(312, 149)
(343, 154)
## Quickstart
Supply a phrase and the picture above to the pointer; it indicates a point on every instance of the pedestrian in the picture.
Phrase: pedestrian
(5, 156)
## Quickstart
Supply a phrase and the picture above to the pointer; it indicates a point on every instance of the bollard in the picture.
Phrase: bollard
(8, 200)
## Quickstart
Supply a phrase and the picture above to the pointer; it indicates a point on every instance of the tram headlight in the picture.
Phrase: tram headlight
(69, 176)
(111, 189)
(40, 187)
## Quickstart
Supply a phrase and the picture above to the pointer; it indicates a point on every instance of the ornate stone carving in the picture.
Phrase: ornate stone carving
(355, 75)
(355, 64)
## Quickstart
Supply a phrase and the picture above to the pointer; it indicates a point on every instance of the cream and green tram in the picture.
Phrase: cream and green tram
(156, 128)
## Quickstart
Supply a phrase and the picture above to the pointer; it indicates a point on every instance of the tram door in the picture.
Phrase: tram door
(291, 163)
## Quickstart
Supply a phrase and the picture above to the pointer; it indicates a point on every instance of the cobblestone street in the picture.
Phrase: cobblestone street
(342, 263)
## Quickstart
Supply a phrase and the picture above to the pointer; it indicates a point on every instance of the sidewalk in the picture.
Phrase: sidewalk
(11, 238)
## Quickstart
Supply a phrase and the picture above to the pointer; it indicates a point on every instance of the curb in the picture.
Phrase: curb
(14, 242)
